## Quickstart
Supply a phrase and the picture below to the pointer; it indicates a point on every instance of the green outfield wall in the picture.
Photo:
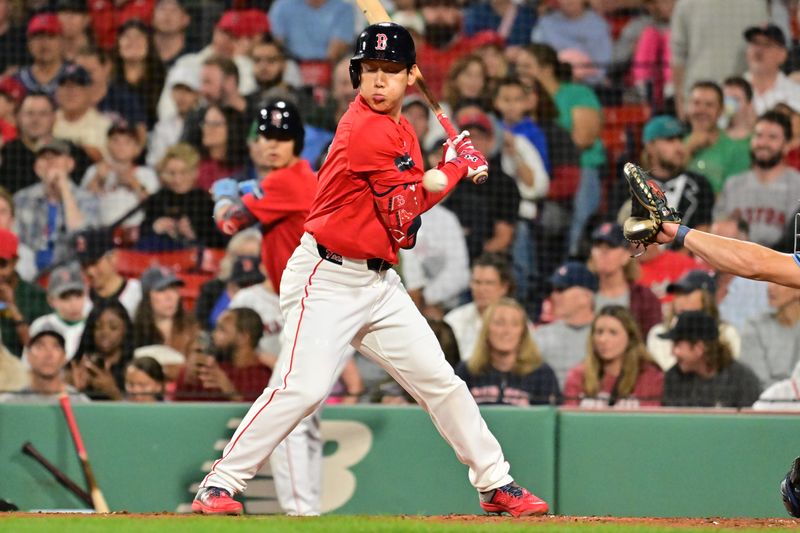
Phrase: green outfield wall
(391, 460)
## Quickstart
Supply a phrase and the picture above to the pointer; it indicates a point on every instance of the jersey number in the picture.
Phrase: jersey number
(382, 40)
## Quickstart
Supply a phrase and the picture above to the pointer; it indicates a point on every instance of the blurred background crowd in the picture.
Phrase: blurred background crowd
(117, 116)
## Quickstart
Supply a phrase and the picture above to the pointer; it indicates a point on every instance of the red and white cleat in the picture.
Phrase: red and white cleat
(214, 500)
(514, 500)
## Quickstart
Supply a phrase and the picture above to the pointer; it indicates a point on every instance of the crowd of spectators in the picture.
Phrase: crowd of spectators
(117, 116)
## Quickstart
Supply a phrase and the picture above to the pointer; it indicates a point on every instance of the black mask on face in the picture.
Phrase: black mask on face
(440, 35)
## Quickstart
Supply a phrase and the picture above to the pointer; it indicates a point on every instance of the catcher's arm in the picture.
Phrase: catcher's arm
(741, 258)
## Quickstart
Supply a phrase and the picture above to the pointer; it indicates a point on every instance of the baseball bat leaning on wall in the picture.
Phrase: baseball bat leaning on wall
(61, 477)
(98, 501)
(375, 12)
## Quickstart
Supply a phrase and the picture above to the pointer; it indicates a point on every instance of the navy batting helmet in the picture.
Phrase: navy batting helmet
(387, 41)
(280, 119)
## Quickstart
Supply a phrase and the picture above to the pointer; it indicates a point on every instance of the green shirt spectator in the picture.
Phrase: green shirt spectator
(723, 159)
(568, 97)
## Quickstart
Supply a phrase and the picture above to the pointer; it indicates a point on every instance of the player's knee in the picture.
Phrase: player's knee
(311, 396)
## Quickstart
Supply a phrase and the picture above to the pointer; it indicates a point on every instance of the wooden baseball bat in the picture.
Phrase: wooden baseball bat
(98, 501)
(61, 477)
(375, 12)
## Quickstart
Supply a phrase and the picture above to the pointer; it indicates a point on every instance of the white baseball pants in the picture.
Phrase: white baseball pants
(327, 308)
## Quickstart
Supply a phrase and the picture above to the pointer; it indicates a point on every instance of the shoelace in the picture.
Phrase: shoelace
(514, 490)
(218, 492)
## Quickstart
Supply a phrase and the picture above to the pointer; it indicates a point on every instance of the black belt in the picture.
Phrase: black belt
(376, 263)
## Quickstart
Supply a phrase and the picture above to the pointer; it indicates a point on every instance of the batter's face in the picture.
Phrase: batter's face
(609, 338)
(505, 329)
(384, 84)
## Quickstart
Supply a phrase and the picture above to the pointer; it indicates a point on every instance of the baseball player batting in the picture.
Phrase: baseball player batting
(339, 290)
(740, 258)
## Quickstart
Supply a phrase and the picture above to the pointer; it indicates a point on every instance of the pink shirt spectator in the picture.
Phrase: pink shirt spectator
(651, 62)
(649, 387)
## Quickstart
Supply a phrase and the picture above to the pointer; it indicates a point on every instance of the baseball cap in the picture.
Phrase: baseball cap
(133, 22)
(693, 326)
(232, 22)
(44, 23)
(611, 234)
(662, 127)
(45, 327)
(165, 355)
(74, 6)
(75, 74)
(56, 146)
(245, 271)
(770, 31)
(473, 118)
(158, 278)
(9, 243)
(414, 99)
(92, 244)
(692, 281)
(573, 274)
(12, 88)
(122, 126)
(65, 279)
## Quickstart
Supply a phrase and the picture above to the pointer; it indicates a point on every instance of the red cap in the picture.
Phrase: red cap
(12, 88)
(474, 118)
(8, 244)
(44, 23)
(244, 23)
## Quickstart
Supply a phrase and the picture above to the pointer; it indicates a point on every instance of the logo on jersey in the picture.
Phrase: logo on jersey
(381, 41)
(404, 162)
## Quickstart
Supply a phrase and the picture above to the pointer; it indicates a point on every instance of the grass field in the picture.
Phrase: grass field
(123, 523)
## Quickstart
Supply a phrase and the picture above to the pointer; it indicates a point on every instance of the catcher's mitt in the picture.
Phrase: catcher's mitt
(790, 489)
(649, 207)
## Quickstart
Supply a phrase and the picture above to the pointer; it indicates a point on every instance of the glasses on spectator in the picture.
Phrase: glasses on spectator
(213, 123)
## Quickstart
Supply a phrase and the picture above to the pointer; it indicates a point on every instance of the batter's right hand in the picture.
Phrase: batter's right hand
(474, 162)
(453, 146)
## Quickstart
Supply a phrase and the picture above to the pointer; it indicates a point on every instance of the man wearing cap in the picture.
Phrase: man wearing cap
(66, 294)
(49, 210)
(766, 195)
(488, 212)
(20, 302)
(94, 250)
(766, 53)
(706, 374)
(562, 343)
(35, 118)
(665, 158)
(223, 44)
(694, 291)
(46, 356)
(272, 71)
(616, 275)
(44, 45)
(77, 117)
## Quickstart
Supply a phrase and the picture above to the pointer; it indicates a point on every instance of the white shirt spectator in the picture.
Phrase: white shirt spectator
(785, 91)
(438, 264)
(466, 322)
(783, 395)
(116, 200)
(541, 179)
(267, 304)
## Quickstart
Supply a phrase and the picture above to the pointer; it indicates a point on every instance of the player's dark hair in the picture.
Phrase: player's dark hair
(39, 94)
(501, 264)
(249, 323)
(151, 367)
(547, 57)
(741, 83)
(718, 354)
(776, 117)
(268, 40)
(712, 86)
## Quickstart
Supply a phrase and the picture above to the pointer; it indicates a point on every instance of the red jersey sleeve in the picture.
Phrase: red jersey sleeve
(281, 195)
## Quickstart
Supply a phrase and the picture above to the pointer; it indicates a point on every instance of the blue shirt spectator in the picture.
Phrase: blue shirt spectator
(333, 20)
(528, 128)
(486, 15)
(583, 31)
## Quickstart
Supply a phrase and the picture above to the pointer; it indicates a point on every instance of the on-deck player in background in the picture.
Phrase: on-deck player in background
(281, 203)
(753, 261)
(339, 290)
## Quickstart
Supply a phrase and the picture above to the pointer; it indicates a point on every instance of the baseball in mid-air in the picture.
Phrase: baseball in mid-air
(434, 180)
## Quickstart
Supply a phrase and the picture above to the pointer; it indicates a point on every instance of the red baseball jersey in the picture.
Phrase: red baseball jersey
(284, 206)
(369, 150)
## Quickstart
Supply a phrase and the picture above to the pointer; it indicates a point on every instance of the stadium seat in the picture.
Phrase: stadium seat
(191, 290)
(210, 259)
(132, 263)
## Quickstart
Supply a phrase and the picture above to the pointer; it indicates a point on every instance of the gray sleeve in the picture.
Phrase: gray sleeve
(679, 45)
(754, 353)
